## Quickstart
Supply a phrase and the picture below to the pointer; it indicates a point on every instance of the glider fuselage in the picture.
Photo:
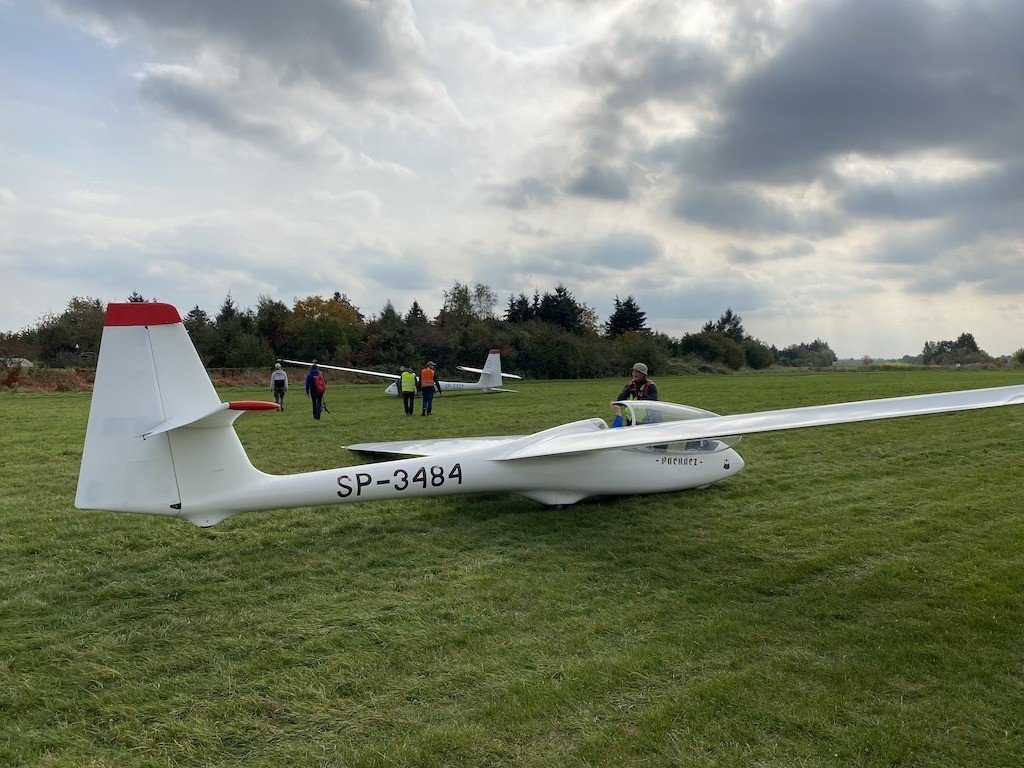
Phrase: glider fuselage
(559, 481)
(448, 386)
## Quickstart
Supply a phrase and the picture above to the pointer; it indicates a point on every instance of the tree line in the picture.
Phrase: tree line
(547, 335)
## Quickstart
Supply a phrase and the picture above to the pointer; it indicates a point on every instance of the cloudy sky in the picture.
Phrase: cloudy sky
(851, 170)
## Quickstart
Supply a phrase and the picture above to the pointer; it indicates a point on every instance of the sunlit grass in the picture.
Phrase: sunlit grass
(854, 597)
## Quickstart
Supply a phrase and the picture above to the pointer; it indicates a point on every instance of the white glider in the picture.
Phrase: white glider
(489, 381)
(160, 441)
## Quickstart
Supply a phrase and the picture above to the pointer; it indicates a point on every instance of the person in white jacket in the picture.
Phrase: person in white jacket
(279, 384)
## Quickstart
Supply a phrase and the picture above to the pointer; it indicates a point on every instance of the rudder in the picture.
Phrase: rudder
(140, 454)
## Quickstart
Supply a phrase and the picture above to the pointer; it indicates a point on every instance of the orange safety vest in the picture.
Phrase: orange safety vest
(427, 377)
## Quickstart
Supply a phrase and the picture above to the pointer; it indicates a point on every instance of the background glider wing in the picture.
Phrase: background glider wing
(481, 370)
(378, 374)
(770, 421)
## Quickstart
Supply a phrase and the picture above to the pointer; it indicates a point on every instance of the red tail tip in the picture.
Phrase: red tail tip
(141, 313)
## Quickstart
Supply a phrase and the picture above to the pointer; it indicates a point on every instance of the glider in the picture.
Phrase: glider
(160, 441)
(489, 381)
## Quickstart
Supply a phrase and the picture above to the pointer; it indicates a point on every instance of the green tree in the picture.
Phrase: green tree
(729, 324)
(519, 309)
(416, 316)
(272, 317)
(326, 329)
(457, 306)
(562, 309)
(483, 300)
(203, 333)
(72, 337)
(963, 350)
(814, 354)
(389, 317)
(756, 354)
(626, 317)
(249, 351)
(639, 346)
(1018, 358)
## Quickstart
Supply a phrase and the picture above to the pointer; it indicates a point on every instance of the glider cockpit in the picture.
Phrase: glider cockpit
(636, 412)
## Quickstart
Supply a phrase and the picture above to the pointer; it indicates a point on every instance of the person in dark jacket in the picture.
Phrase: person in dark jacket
(640, 387)
(316, 385)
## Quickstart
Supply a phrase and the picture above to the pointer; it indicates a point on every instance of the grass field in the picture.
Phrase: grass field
(854, 597)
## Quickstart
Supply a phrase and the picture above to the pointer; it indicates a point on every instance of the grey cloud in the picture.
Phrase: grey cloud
(336, 42)
(284, 76)
(738, 254)
(402, 272)
(879, 77)
(194, 103)
(745, 209)
(577, 261)
(641, 66)
(914, 248)
(527, 192)
(521, 227)
(602, 182)
(996, 273)
(910, 198)
(701, 300)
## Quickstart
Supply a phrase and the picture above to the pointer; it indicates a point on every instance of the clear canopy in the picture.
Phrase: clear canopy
(638, 412)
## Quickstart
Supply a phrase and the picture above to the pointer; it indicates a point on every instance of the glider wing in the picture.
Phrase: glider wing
(432, 447)
(393, 376)
(770, 421)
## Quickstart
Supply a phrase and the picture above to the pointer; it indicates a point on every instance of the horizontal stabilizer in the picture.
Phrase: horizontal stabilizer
(221, 415)
(481, 370)
(770, 421)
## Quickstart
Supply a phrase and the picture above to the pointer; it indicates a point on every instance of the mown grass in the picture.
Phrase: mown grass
(854, 597)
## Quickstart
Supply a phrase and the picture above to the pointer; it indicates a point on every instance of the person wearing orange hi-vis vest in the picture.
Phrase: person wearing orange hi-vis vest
(429, 383)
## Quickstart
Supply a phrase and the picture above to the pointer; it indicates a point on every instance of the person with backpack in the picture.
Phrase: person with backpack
(279, 384)
(316, 385)
(407, 385)
(428, 383)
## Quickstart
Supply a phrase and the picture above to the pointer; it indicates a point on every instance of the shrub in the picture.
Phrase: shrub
(713, 347)
(756, 354)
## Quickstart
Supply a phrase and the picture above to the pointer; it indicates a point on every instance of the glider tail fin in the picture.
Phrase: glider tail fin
(491, 376)
(140, 453)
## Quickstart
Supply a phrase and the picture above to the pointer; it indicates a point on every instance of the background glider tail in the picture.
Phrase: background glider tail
(158, 436)
(491, 377)
(490, 374)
